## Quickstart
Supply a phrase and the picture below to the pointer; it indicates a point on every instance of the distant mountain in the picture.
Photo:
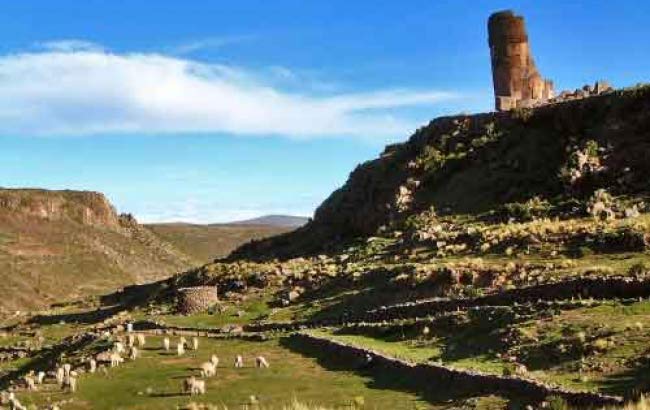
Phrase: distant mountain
(288, 221)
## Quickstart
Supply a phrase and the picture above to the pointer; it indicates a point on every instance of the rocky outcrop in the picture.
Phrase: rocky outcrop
(84, 207)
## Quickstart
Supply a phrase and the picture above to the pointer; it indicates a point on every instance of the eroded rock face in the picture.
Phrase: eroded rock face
(517, 82)
(85, 207)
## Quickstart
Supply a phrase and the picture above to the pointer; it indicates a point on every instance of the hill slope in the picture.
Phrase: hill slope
(560, 153)
(289, 221)
(207, 242)
(58, 245)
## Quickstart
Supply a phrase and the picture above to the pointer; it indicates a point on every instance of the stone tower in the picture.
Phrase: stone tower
(517, 83)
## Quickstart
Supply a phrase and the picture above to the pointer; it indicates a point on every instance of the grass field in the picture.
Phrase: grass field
(154, 382)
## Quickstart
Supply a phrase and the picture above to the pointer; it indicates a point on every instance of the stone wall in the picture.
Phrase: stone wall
(596, 287)
(433, 376)
(196, 299)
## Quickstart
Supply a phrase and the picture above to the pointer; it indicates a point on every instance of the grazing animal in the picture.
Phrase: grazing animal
(180, 349)
(92, 366)
(239, 361)
(40, 377)
(195, 343)
(66, 369)
(215, 360)
(70, 384)
(60, 374)
(118, 347)
(187, 384)
(207, 369)
(30, 383)
(166, 344)
(260, 361)
(182, 340)
(116, 359)
(134, 353)
(14, 404)
(141, 340)
(130, 340)
(198, 387)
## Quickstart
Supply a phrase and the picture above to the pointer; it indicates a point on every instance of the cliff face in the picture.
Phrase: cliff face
(87, 208)
(61, 245)
(474, 164)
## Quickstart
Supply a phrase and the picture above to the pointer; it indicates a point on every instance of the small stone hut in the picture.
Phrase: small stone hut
(196, 299)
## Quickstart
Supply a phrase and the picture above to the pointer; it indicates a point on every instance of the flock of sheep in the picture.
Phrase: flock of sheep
(67, 378)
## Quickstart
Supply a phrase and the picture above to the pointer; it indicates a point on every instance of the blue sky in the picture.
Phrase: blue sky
(209, 111)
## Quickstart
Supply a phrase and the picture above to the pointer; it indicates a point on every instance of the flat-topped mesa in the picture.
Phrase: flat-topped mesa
(517, 83)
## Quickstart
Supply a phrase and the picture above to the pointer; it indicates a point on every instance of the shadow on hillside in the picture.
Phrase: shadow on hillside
(630, 383)
(85, 318)
(432, 391)
(373, 290)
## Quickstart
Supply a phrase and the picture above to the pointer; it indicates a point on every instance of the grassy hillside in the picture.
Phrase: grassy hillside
(60, 245)
(207, 242)
(493, 261)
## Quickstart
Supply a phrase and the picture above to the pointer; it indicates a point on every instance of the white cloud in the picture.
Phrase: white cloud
(76, 88)
(208, 43)
(70, 45)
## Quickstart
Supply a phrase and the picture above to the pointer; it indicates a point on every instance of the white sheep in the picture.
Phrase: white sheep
(180, 349)
(134, 353)
(30, 383)
(70, 383)
(66, 368)
(195, 343)
(260, 361)
(166, 344)
(92, 365)
(182, 340)
(14, 404)
(198, 387)
(130, 340)
(40, 377)
(116, 359)
(118, 347)
(215, 360)
(60, 375)
(188, 383)
(239, 361)
(207, 369)
(141, 340)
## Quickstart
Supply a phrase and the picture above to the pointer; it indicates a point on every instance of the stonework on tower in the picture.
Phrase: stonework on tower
(517, 83)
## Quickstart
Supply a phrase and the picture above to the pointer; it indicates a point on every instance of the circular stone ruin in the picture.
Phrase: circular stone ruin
(196, 299)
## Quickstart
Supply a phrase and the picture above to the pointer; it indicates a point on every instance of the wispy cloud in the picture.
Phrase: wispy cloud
(77, 89)
(208, 43)
(69, 45)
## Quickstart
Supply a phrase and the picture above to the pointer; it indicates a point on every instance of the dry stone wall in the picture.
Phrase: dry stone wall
(434, 376)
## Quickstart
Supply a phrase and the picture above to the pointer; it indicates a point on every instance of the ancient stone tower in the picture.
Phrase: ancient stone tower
(517, 83)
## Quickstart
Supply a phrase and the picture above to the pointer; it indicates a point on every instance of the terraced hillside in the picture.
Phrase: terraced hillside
(61, 245)
(491, 261)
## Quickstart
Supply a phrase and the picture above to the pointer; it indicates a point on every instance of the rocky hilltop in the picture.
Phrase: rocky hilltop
(57, 245)
(561, 153)
(83, 207)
